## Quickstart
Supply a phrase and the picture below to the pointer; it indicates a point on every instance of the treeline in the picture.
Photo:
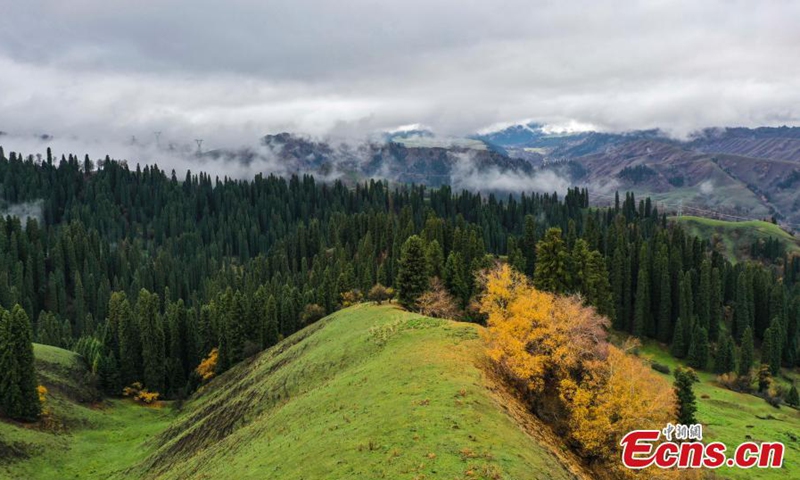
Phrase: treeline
(144, 274)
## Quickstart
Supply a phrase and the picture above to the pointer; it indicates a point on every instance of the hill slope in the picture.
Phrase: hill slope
(83, 436)
(733, 418)
(737, 237)
(369, 392)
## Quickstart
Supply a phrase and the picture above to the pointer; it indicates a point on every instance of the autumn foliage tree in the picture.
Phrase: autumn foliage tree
(438, 302)
(554, 349)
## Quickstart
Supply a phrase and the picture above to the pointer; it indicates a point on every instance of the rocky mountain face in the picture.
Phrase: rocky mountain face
(753, 173)
(407, 159)
(735, 171)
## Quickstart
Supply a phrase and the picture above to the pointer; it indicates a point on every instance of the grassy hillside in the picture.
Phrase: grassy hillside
(369, 392)
(82, 437)
(736, 237)
(734, 418)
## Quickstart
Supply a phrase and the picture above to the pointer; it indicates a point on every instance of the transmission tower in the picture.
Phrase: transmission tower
(680, 207)
(158, 138)
(199, 142)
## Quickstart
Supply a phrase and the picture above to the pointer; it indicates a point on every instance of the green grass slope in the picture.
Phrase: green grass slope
(369, 392)
(734, 418)
(81, 437)
(736, 237)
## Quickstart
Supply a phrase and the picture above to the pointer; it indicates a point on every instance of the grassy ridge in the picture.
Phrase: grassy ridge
(370, 392)
(734, 418)
(737, 237)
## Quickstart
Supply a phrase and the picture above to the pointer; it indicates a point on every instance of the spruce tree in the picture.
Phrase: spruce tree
(792, 397)
(641, 314)
(715, 305)
(665, 327)
(698, 348)
(742, 319)
(270, 333)
(435, 258)
(678, 347)
(18, 396)
(703, 298)
(151, 330)
(685, 378)
(412, 274)
(725, 361)
(128, 337)
(746, 354)
(771, 347)
(552, 273)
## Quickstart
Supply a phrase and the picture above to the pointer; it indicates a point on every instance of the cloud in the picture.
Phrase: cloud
(467, 174)
(230, 72)
(707, 187)
(243, 163)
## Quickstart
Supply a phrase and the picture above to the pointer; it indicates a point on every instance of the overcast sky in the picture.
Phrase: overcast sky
(232, 71)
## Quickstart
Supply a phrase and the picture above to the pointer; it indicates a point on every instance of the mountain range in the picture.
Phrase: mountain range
(725, 172)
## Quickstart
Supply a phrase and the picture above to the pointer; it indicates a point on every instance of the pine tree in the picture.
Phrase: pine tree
(698, 348)
(685, 378)
(792, 397)
(598, 287)
(128, 337)
(151, 330)
(435, 258)
(412, 274)
(725, 361)
(679, 347)
(703, 298)
(771, 347)
(665, 308)
(641, 314)
(270, 333)
(743, 308)
(746, 354)
(18, 395)
(552, 272)
(715, 305)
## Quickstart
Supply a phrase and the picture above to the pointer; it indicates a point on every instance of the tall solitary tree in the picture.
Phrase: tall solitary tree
(685, 378)
(412, 274)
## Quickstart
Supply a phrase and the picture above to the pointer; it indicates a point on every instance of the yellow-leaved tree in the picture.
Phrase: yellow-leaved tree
(555, 350)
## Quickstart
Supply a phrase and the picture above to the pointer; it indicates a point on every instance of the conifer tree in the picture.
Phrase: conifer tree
(665, 328)
(270, 333)
(18, 395)
(685, 378)
(703, 298)
(698, 348)
(128, 338)
(725, 361)
(641, 315)
(552, 273)
(743, 308)
(412, 274)
(151, 330)
(678, 347)
(435, 258)
(792, 398)
(771, 347)
(746, 353)
(715, 305)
